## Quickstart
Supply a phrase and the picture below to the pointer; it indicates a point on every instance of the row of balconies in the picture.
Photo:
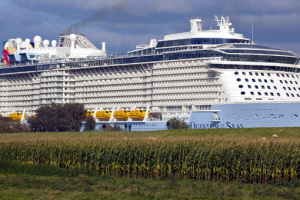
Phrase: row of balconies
(184, 102)
(185, 83)
(113, 94)
(113, 87)
(186, 97)
(179, 77)
(178, 64)
(113, 99)
(113, 82)
(180, 71)
(106, 76)
(186, 90)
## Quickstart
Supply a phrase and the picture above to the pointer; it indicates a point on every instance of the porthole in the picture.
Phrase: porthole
(297, 76)
(278, 94)
(271, 93)
(250, 73)
(236, 73)
(293, 76)
(281, 81)
(269, 74)
(284, 88)
(266, 94)
(244, 73)
(282, 75)
(253, 80)
(259, 93)
(286, 82)
(275, 87)
(298, 95)
(293, 95)
(289, 88)
(259, 80)
(247, 80)
(266, 80)
(262, 87)
(269, 87)
(287, 94)
(241, 86)
(238, 79)
(288, 76)
(256, 87)
(294, 88)
(272, 81)
(296, 82)
(256, 74)
(278, 75)
(249, 86)
(243, 93)
(291, 82)
(252, 93)
(262, 74)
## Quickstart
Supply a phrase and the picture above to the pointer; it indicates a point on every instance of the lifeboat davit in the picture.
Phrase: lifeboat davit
(121, 114)
(103, 115)
(16, 116)
(138, 114)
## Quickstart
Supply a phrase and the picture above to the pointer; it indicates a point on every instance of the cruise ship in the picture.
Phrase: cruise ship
(208, 78)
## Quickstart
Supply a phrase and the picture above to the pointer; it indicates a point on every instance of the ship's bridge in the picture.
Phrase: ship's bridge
(197, 36)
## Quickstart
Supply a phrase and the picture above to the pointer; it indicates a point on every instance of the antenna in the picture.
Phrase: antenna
(252, 31)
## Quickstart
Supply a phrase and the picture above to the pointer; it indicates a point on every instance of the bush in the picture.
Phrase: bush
(90, 124)
(178, 124)
(58, 117)
(7, 125)
(116, 127)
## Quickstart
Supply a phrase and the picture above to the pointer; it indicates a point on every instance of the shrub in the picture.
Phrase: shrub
(90, 124)
(178, 124)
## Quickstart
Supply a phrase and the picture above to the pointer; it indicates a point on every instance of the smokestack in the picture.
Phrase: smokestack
(103, 46)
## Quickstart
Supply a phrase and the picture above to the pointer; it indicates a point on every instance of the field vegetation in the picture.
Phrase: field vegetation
(224, 155)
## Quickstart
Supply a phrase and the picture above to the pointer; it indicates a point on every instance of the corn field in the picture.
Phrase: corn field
(205, 159)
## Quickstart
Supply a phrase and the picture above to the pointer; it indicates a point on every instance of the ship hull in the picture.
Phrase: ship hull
(250, 115)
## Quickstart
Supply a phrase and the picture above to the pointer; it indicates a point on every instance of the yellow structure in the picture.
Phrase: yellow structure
(16, 116)
(89, 113)
(121, 114)
(103, 115)
(138, 114)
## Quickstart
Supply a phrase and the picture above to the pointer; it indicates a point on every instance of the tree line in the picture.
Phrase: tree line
(63, 118)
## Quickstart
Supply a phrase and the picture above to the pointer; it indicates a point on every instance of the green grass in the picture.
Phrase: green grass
(24, 186)
(26, 181)
(291, 133)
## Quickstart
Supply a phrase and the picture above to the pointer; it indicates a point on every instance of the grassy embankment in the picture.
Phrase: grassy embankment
(234, 145)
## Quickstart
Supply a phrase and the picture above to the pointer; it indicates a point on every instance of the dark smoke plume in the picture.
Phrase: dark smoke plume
(95, 17)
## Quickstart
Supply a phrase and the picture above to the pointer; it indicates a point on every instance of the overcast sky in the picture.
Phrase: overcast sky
(123, 24)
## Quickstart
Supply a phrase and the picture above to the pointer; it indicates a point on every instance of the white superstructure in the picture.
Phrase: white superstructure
(171, 77)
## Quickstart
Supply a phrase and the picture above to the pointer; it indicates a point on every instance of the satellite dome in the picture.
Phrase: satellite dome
(27, 41)
(18, 40)
(53, 43)
(37, 39)
(73, 37)
(46, 43)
